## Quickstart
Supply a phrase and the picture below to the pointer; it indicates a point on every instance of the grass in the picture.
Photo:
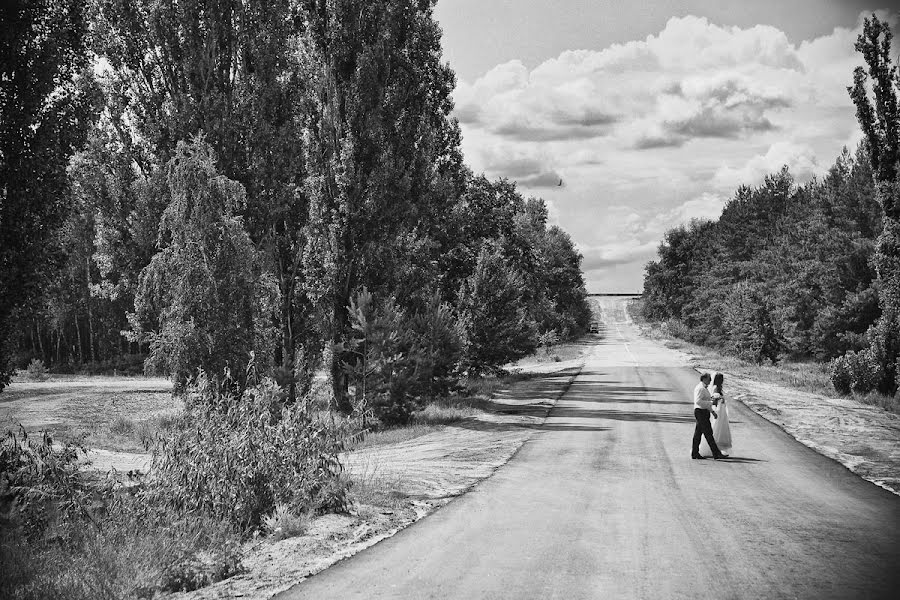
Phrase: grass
(127, 557)
(371, 487)
(283, 523)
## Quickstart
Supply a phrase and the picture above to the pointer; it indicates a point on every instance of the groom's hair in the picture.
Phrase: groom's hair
(705, 376)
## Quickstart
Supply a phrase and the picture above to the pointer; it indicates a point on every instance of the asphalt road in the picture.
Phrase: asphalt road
(605, 502)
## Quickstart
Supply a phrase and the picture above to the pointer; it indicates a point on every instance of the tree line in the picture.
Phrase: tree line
(210, 184)
(803, 271)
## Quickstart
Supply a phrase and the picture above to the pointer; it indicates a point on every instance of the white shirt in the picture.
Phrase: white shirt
(702, 399)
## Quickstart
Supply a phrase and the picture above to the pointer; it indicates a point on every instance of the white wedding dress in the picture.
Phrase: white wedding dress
(721, 428)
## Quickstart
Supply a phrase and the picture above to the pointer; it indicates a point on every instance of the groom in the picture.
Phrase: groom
(702, 405)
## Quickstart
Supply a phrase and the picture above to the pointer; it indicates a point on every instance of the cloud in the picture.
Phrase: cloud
(654, 132)
(546, 179)
(610, 255)
(799, 158)
(693, 80)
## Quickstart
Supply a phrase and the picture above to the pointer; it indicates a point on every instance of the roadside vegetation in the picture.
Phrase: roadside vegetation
(802, 276)
(267, 204)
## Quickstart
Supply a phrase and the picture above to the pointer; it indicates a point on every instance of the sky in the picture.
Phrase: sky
(651, 112)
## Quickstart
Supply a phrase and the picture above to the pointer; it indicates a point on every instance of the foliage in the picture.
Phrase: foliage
(382, 362)
(38, 480)
(36, 371)
(46, 104)
(496, 327)
(880, 123)
(784, 272)
(236, 457)
(135, 551)
(380, 138)
(748, 321)
(205, 287)
(856, 371)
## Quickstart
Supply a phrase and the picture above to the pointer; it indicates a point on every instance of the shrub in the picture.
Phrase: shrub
(840, 374)
(856, 371)
(237, 456)
(38, 480)
(547, 339)
(64, 535)
(36, 371)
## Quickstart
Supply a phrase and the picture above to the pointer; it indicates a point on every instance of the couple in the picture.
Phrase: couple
(718, 437)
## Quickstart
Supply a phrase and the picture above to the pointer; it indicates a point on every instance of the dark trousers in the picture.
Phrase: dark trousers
(703, 427)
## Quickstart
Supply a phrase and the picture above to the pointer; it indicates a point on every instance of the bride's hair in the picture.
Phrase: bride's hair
(717, 382)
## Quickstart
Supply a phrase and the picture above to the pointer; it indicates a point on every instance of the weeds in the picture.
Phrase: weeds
(63, 535)
(283, 523)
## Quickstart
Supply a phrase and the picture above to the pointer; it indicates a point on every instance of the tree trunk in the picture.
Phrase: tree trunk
(87, 303)
(78, 339)
(340, 383)
(40, 337)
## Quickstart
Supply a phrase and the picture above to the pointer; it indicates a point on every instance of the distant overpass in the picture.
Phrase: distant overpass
(618, 294)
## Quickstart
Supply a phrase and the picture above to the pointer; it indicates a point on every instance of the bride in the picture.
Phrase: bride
(721, 428)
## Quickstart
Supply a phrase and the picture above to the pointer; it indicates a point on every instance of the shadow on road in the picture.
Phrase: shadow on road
(741, 459)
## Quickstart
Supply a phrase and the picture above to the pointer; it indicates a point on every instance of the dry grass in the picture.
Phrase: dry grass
(371, 486)
(283, 523)
(394, 435)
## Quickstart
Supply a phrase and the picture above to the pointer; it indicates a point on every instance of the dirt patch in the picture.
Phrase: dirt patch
(68, 407)
(397, 484)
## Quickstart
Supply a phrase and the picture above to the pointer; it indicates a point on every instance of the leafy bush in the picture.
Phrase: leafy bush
(204, 300)
(840, 372)
(856, 371)
(36, 371)
(547, 339)
(236, 457)
(65, 535)
(38, 481)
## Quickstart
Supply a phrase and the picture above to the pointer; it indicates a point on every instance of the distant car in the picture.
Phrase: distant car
(595, 327)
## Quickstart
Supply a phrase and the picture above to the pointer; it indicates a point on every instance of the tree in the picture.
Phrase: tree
(496, 326)
(236, 71)
(880, 122)
(45, 108)
(379, 136)
(204, 300)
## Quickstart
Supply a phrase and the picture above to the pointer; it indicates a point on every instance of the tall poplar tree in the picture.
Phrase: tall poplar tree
(377, 140)
(880, 122)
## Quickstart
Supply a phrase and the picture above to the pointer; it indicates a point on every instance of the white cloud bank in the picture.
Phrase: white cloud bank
(667, 126)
